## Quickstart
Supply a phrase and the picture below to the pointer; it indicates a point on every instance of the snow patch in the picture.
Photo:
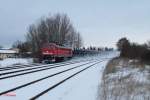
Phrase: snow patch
(126, 83)
(11, 61)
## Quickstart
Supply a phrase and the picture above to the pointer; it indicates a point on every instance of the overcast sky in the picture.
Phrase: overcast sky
(100, 22)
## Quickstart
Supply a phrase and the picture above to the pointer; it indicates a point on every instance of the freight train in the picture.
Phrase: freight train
(54, 53)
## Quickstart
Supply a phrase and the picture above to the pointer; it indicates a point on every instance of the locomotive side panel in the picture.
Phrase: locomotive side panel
(64, 52)
(52, 51)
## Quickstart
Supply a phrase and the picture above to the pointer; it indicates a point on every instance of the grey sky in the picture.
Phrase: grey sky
(101, 22)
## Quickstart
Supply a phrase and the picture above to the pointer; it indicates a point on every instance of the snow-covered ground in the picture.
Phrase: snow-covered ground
(126, 79)
(11, 61)
(83, 86)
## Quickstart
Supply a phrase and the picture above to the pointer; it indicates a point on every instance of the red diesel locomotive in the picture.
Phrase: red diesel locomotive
(52, 52)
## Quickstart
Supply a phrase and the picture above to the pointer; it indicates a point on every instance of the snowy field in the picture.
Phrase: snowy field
(127, 80)
(11, 61)
(83, 86)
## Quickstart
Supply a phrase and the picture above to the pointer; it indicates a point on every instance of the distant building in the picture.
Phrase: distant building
(8, 53)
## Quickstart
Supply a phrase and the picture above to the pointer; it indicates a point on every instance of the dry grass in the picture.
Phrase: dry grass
(121, 85)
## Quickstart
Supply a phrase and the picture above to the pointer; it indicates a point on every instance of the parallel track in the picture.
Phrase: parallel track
(32, 65)
(61, 82)
(41, 68)
(90, 64)
(35, 81)
(19, 66)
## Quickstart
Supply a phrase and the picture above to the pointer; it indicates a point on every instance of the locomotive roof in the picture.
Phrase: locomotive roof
(53, 44)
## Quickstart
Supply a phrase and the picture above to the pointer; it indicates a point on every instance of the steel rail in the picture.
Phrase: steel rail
(38, 80)
(33, 71)
(26, 66)
(59, 83)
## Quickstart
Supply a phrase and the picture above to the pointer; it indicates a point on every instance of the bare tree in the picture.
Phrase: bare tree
(22, 46)
(122, 42)
(56, 29)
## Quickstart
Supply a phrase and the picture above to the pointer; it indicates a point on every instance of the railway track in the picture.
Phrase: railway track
(20, 66)
(61, 82)
(6, 75)
(17, 66)
(52, 75)
(86, 65)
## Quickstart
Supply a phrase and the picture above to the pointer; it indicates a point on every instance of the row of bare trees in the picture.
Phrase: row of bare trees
(52, 29)
(134, 50)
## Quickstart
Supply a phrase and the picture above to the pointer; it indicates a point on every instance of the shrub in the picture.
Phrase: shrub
(133, 50)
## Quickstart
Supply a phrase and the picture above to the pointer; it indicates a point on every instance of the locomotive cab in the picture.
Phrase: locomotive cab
(54, 53)
(48, 53)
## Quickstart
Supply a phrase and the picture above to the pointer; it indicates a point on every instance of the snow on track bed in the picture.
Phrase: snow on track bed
(63, 92)
(19, 66)
(5, 75)
(33, 76)
(11, 61)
